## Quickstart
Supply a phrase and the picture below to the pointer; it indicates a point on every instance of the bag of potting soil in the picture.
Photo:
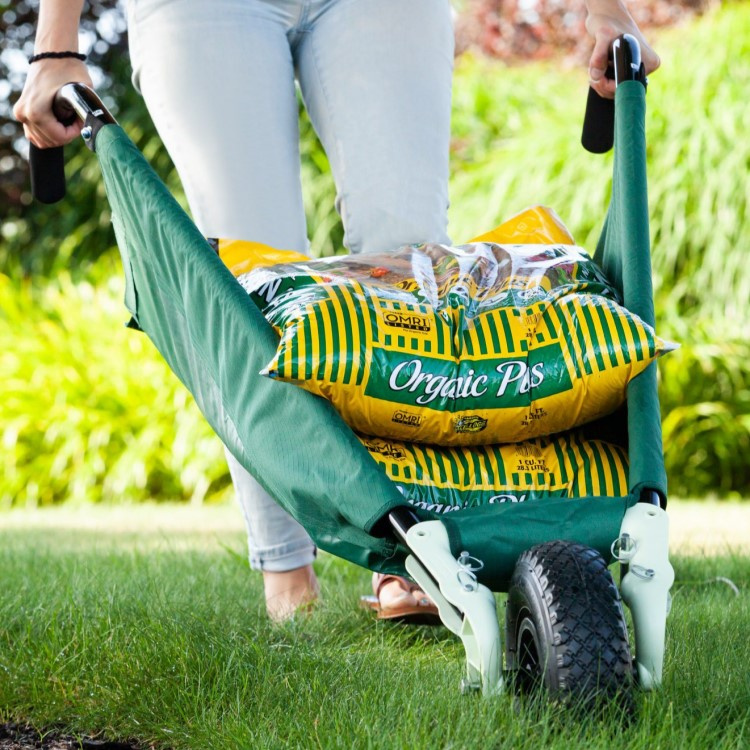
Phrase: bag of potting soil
(479, 344)
(443, 479)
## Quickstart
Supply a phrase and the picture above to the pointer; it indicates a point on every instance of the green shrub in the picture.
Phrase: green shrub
(89, 410)
(705, 400)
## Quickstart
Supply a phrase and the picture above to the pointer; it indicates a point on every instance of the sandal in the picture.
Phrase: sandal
(421, 612)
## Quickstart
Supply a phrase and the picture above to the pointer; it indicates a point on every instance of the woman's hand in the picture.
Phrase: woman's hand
(34, 108)
(608, 19)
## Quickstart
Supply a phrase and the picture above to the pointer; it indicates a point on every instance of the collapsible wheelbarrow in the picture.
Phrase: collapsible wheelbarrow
(564, 619)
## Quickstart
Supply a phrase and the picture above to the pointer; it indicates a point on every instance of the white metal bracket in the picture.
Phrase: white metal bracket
(644, 547)
(466, 607)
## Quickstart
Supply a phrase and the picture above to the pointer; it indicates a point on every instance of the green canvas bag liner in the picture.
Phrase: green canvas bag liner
(216, 341)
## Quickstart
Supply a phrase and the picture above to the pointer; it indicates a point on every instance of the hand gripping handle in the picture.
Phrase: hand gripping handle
(598, 134)
(47, 165)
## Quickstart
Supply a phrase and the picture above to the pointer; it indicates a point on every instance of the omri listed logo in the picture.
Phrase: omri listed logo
(407, 418)
(385, 449)
(409, 321)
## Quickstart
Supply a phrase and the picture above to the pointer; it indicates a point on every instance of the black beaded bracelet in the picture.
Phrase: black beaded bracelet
(56, 56)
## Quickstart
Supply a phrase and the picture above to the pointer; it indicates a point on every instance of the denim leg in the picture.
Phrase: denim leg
(376, 79)
(218, 80)
(276, 542)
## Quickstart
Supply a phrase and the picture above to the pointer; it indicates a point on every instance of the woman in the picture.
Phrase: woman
(219, 81)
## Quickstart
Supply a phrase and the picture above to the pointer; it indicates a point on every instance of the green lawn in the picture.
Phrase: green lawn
(144, 622)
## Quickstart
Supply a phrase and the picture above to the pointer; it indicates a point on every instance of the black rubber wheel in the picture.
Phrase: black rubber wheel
(565, 628)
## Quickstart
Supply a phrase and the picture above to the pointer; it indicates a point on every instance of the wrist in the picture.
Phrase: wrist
(56, 41)
(57, 27)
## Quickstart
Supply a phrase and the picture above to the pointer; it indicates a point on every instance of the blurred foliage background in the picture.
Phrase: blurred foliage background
(89, 412)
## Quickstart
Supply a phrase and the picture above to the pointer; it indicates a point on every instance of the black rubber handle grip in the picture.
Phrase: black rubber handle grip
(625, 64)
(47, 168)
(598, 134)
(47, 165)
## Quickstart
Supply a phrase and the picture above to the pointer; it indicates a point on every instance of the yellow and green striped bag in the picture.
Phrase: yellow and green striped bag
(443, 480)
(473, 345)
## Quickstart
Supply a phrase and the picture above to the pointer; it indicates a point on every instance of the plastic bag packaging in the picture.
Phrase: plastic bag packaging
(443, 480)
(479, 344)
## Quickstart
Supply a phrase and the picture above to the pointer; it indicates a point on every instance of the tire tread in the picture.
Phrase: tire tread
(589, 650)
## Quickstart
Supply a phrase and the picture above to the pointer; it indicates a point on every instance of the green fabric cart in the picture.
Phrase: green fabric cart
(216, 341)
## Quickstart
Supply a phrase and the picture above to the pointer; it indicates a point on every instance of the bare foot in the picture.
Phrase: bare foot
(289, 592)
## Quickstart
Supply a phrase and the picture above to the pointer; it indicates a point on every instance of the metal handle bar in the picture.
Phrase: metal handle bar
(47, 165)
(598, 134)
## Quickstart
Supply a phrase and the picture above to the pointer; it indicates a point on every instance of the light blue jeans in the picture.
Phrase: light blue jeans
(218, 77)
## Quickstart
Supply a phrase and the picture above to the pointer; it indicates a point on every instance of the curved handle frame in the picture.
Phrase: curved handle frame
(47, 165)
(598, 134)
